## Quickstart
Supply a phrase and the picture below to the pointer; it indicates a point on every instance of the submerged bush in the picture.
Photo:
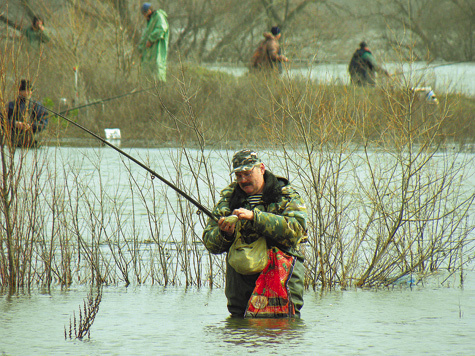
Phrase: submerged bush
(382, 171)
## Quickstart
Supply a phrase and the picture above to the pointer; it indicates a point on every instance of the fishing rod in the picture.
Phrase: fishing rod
(105, 100)
(154, 174)
(425, 68)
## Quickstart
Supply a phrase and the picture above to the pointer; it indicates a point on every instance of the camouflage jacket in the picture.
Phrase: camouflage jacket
(280, 217)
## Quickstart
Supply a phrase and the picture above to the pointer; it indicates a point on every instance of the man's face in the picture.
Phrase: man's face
(39, 24)
(252, 181)
(147, 13)
(25, 93)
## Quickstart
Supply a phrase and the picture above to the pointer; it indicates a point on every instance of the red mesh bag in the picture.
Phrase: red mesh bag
(271, 297)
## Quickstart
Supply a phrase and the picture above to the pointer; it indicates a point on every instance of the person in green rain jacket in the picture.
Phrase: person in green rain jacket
(36, 34)
(153, 45)
(265, 205)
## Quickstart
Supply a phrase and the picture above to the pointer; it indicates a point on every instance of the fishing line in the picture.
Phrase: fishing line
(105, 100)
(154, 174)
(425, 68)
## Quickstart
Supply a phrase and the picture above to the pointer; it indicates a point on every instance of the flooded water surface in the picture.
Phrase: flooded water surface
(149, 319)
(152, 320)
(442, 77)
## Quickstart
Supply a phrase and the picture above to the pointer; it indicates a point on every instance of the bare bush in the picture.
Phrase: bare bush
(386, 196)
(87, 314)
(387, 207)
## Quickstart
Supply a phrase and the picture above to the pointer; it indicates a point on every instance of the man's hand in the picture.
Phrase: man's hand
(227, 227)
(244, 214)
(22, 125)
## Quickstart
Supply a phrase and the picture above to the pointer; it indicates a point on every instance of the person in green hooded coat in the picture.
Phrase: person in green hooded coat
(36, 33)
(153, 45)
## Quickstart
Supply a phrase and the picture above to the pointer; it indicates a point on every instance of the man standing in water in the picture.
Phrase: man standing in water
(268, 54)
(264, 206)
(25, 118)
(153, 46)
(363, 67)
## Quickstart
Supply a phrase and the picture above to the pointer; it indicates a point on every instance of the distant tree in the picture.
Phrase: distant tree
(230, 29)
(431, 29)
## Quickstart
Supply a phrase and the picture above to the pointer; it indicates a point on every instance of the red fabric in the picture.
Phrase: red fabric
(271, 297)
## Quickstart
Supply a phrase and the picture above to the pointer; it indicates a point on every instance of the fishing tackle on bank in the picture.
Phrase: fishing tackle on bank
(154, 174)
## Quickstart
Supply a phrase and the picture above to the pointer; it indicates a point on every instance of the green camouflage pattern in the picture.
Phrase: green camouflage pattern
(244, 160)
(283, 224)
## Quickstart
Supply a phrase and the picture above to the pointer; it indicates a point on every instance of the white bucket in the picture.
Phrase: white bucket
(112, 134)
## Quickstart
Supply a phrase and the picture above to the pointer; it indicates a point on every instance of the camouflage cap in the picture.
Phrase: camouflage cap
(244, 160)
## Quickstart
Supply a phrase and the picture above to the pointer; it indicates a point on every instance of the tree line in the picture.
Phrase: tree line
(229, 30)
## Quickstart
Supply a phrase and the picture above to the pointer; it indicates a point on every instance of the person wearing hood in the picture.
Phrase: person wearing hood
(268, 54)
(153, 45)
(25, 118)
(363, 67)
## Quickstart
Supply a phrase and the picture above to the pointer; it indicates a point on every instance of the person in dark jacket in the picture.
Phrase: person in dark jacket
(25, 118)
(268, 55)
(363, 67)
(263, 205)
